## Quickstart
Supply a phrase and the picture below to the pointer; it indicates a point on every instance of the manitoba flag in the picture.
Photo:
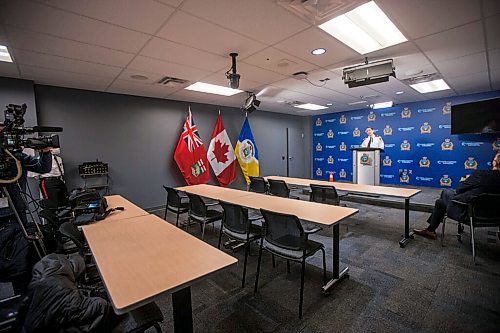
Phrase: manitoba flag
(221, 155)
(190, 154)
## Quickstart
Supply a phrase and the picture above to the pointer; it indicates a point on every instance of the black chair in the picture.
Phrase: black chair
(258, 185)
(284, 236)
(324, 194)
(237, 226)
(175, 204)
(482, 212)
(199, 212)
(280, 189)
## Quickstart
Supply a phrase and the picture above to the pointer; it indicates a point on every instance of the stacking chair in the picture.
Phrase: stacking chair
(482, 212)
(284, 236)
(280, 189)
(175, 203)
(236, 225)
(324, 194)
(258, 185)
(199, 212)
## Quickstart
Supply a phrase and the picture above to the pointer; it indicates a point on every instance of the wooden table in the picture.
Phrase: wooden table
(405, 193)
(327, 215)
(143, 257)
(131, 210)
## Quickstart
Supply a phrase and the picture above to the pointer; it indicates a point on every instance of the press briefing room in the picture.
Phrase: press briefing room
(250, 166)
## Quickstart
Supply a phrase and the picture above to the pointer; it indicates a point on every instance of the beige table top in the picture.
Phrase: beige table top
(140, 258)
(131, 210)
(213, 192)
(353, 188)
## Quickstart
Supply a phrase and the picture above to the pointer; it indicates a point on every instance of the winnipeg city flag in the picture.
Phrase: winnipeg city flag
(190, 154)
(221, 155)
(247, 153)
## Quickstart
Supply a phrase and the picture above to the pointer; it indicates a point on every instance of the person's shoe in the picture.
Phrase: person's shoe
(426, 233)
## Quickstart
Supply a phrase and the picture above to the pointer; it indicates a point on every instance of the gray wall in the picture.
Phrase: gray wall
(137, 137)
(13, 91)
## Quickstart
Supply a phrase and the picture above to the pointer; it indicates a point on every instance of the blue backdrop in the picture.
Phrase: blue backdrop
(419, 147)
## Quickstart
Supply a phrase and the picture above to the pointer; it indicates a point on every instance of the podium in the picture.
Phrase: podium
(366, 165)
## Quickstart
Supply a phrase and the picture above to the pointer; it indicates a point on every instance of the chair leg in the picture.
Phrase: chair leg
(288, 266)
(472, 242)
(274, 261)
(165, 216)
(188, 222)
(203, 230)
(177, 220)
(302, 287)
(220, 237)
(258, 269)
(324, 266)
(442, 231)
(247, 246)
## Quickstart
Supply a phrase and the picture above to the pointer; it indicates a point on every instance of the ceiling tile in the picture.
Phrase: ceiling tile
(194, 96)
(491, 7)
(130, 15)
(36, 73)
(177, 53)
(454, 43)
(166, 68)
(65, 64)
(151, 78)
(492, 25)
(462, 66)
(207, 36)
(262, 20)
(72, 84)
(390, 88)
(494, 59)
(43, 19)
(412, 65)
(422, 18)
(139, 89)
(469, 84)
(220, 79)
(495, 79)
(280, 62)
(25, 40)
(253, 74)
(173, 3)
(8, 70)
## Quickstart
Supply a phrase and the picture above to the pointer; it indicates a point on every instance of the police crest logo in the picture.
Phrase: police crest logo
(387, 162)
(343, 147)
(319, 147)
(372, 116)
(496, 144)
(329, 134)
(330, 160)
(404, 177)
(319, 172)
(405, 146)
(406, 113)
(447, 108)
(365, 160)
(342, 173)
(447, 145)
(425, 128)
(343, 120)
(319, 122)
(470, 164)
(445, 181)
(356, 132)
(387, 130)
(424, 162)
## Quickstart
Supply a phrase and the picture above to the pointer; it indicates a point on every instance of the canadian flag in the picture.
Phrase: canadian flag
(221, 156)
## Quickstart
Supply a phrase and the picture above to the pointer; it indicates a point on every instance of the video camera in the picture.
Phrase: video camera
(13, 141)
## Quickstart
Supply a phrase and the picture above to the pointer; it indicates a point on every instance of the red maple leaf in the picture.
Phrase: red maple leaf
(220, 151)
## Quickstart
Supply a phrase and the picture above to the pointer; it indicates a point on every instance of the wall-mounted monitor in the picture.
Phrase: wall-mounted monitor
(477, 117)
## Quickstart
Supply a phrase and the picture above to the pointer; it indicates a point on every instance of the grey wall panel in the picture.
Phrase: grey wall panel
(137, 136)
(14, 91)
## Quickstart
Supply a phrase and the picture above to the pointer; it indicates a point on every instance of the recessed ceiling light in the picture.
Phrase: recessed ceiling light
(381, 105)
(365, 29)
(4, 54)
(318, 51)
(357, 102)
(430, 86)
(310, 106)
(399, 92)
(213, 89)
(138, 77)
(329, 104)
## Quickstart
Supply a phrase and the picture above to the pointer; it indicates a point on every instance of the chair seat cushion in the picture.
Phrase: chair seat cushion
(212, 216)
(312, 247)
(184, 207)
(255, 232)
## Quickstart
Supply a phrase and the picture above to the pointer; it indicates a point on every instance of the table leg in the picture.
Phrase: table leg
(183, 314)
(337, 275)
(408, 235)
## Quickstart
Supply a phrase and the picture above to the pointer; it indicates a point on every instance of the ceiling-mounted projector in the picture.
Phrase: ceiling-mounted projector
(368, 73)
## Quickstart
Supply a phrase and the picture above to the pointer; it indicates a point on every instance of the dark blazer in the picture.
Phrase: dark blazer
(480, 181)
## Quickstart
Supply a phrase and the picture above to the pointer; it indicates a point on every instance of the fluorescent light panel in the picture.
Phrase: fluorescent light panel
(310, 106)
(4, 54)
(382, 105)
(430, 86)
(364, 29)
(213, 89)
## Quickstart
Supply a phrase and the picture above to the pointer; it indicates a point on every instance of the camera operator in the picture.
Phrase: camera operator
(14, 248)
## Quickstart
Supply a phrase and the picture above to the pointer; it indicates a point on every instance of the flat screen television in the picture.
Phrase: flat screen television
(476, 117)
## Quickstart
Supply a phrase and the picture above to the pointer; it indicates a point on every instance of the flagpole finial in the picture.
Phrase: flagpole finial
(219, 112)
(246, 114)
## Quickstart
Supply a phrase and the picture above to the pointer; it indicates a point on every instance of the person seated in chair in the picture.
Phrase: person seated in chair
(480, 181)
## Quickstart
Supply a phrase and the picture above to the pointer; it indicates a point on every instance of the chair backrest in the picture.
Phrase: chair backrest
(283, 230)
(278, 188)
(196, 205)
(235, 218)
(173, 198)
(324, 194)
(71, 231)
(486, 210)
(258, 185)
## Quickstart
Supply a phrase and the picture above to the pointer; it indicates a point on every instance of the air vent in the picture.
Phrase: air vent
(171, 81)
(318, 11)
